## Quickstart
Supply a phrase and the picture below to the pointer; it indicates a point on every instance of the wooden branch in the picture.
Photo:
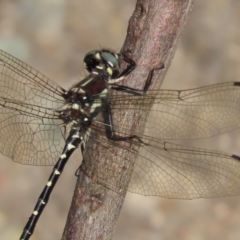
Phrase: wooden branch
(152, 36)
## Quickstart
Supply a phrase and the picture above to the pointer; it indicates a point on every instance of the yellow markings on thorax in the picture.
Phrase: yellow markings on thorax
(97, 103)
(104, 93)
(110, 71)
(75, 106)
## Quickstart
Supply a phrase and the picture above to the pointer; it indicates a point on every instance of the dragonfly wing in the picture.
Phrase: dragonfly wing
(174, 171)
(188, 114)
(29, 127)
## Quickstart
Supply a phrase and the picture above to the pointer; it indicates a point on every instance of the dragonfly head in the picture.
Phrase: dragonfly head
(102, 61)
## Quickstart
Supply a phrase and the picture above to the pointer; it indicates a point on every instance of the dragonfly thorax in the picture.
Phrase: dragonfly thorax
(84, 100)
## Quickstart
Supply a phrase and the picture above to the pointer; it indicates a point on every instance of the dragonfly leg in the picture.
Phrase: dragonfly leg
(77, 172)
(129, 68)
(110, 132)
(137, 91)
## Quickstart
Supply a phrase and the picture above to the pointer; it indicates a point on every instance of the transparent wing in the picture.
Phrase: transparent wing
(188, 114)
(29, 127)
(174, 171)
(161, 168)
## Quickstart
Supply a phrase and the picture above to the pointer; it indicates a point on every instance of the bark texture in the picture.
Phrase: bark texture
(152, 36)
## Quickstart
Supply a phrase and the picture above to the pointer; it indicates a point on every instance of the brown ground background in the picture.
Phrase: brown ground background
(53, 36)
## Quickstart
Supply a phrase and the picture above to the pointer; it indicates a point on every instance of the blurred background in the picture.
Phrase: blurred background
(53, 36)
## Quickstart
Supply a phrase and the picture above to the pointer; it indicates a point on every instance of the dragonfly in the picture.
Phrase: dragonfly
(41, 123)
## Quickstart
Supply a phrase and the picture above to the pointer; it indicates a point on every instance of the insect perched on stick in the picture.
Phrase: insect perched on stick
(47, 123)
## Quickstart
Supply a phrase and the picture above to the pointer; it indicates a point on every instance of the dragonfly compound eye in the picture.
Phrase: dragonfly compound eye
(111, 63)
